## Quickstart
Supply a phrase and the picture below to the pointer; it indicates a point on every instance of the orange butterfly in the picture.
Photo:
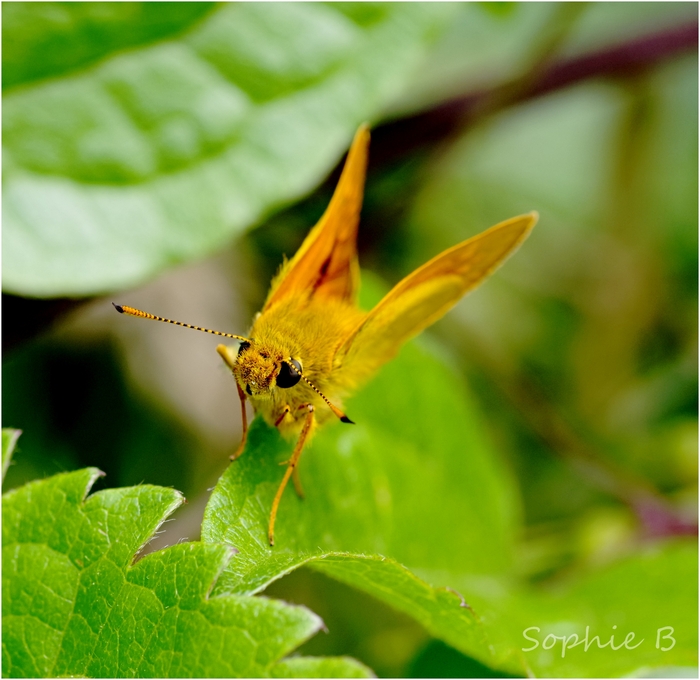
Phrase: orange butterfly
(311, 345)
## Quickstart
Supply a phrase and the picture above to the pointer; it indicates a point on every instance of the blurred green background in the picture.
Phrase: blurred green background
(167, 156)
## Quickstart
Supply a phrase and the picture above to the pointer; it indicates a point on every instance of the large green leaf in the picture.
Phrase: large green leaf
(414, 479)
(75, 604)
(162, 153)
(45, 39)
(653, 595)
(414, 483)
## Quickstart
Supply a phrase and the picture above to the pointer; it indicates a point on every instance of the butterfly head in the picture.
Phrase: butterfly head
(260, 368)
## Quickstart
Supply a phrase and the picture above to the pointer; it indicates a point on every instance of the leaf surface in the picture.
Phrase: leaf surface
(409, 480)
(161, 153)
(412, 506)
(414, 483)
(74, 603)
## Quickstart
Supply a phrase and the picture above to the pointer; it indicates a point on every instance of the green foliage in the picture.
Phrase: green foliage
(161, 154)
(615, 181)
(545, 498)
(75, 603)
(362, 481)
(368, 512)
(51, 39)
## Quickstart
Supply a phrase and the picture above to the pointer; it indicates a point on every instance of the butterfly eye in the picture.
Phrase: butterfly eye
(290, 374)
(243, 347)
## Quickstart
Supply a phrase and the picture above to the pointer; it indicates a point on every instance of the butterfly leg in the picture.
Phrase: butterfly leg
(291, 467)
(244, 424)
(295, 474)
(230, 360)
(295, 478)
(283, 415)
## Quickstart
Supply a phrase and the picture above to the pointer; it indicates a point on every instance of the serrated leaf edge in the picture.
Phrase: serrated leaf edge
(7, 458)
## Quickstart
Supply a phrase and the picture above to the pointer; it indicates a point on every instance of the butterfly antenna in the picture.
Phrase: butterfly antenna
(335, 409)
(131, 311)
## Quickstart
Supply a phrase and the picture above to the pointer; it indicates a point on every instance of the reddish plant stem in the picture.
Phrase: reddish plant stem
(404, 136)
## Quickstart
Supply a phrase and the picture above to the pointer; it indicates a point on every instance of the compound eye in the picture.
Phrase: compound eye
(243, 347)
(289, 375)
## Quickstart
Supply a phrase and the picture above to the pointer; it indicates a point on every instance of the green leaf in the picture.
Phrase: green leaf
(415, 483)
(442, 611)
(324, 667)
(653, 593)
(9, 441)
(414, 479)
(74, 603)
(47, 39)
(162, 153)
(641, 594)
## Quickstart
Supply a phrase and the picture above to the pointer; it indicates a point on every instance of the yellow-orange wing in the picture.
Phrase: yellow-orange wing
(425, 295)
(325, 266)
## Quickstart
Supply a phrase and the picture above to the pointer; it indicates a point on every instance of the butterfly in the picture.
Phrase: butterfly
(311, 345)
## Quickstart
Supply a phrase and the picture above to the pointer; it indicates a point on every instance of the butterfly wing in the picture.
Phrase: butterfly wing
(325, 266)
(425, 295)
